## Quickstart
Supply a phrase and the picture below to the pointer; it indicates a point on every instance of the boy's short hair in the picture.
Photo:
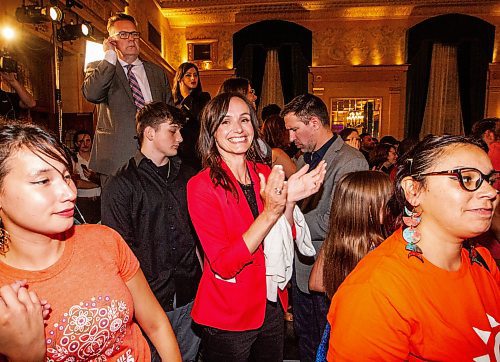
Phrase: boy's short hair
(154, 114)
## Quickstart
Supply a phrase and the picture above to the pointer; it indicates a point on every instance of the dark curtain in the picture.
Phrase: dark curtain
(294, 44)
(251, 65)
(473, 60)
(416, 89)
(293, 71)
(474, 38)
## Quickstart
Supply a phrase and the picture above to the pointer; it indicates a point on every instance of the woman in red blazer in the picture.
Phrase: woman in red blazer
(234, 202)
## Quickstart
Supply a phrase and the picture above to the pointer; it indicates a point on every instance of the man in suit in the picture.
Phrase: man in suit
(120, 84)
(306, 118)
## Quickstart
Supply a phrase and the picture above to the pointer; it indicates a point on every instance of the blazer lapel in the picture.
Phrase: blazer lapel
(120, 73)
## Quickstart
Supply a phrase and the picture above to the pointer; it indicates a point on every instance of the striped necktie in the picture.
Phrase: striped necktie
(134, 87)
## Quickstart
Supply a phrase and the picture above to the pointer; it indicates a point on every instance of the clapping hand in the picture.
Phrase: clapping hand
(274, 191)
(303, 184)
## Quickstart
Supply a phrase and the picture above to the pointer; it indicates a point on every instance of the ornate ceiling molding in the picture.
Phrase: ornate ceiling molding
(183, 13)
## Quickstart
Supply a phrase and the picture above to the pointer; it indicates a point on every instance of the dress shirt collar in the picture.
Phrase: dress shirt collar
(314, 158)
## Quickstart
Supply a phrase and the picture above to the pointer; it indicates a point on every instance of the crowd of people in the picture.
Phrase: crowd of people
(202, 222)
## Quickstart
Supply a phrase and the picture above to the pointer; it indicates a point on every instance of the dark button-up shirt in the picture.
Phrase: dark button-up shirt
(150, 211)
(314, 158)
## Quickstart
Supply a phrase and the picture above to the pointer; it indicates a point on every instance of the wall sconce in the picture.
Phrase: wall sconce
(71, 32)
(36, 14)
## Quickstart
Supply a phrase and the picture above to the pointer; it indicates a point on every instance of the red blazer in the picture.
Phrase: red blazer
(232, 291)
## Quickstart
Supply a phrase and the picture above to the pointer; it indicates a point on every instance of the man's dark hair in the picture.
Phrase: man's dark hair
(154, 114)
(270, 110)
(120, 16)
(78, 133)
(390, 140)
(480, 127)
(306, 106)
(363, 135)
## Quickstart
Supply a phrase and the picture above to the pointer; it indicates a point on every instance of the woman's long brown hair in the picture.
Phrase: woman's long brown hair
(356, 216)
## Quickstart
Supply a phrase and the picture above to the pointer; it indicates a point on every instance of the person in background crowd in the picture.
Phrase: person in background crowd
(351, 137)
(275, 135)
(12, 103)
(367, 144)
(383, 158)
(270, 110)
(390, 140)
(244, 200)
(425, 294)
(98, 294)
(189, 96)
(120, 84)
(146, 203)
(306, 119)
(356, 228)
(87, 181)
(241, 86)
(488, 130)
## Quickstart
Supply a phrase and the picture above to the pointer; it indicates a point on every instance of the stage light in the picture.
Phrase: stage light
(8, 33)
(74, 31)
(36, 14)
(55, 13)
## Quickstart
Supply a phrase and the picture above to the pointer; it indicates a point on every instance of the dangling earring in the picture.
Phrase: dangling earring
(411, 235)
(4, 241)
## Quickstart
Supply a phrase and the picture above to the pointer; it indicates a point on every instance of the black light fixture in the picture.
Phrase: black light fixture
(71, 32)
(36, 14)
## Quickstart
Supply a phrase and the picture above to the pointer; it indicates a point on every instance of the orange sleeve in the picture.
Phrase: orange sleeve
(366, 326)
(125, 259)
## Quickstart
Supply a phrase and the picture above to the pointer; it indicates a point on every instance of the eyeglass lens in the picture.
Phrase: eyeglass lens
(472, 179)
(127, 34)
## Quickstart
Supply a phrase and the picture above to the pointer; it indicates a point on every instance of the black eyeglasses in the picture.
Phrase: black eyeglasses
(469, 178)
(127, 34)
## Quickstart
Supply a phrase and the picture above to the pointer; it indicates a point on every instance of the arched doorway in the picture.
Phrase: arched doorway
(293, 44)
(474, 39)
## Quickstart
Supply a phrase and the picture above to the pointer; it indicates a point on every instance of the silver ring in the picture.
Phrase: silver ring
(277, 190)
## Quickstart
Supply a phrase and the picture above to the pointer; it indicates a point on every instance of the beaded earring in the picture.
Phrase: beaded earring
(4, 241)
(411, 235)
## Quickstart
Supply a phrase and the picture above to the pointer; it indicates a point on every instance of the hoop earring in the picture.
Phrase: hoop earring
(4, 241)
(411, 235)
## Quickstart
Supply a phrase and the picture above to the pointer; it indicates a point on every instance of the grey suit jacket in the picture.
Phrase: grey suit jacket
(341, 159)
(107, 85)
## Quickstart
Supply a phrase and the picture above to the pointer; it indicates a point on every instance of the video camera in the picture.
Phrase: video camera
(7, 63)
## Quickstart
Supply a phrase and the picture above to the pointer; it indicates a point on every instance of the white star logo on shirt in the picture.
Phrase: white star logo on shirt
(491, 339)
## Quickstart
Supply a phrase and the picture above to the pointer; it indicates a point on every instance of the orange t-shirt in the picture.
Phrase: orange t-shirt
(392, 307)
(92, 309)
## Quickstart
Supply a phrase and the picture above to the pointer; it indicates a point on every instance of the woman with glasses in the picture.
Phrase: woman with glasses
(425, 293)
(189, 97)
(351, 137)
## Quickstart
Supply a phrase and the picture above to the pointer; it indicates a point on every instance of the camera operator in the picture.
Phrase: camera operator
(11, 103)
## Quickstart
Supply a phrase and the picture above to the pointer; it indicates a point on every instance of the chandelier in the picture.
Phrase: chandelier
(355, 119)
